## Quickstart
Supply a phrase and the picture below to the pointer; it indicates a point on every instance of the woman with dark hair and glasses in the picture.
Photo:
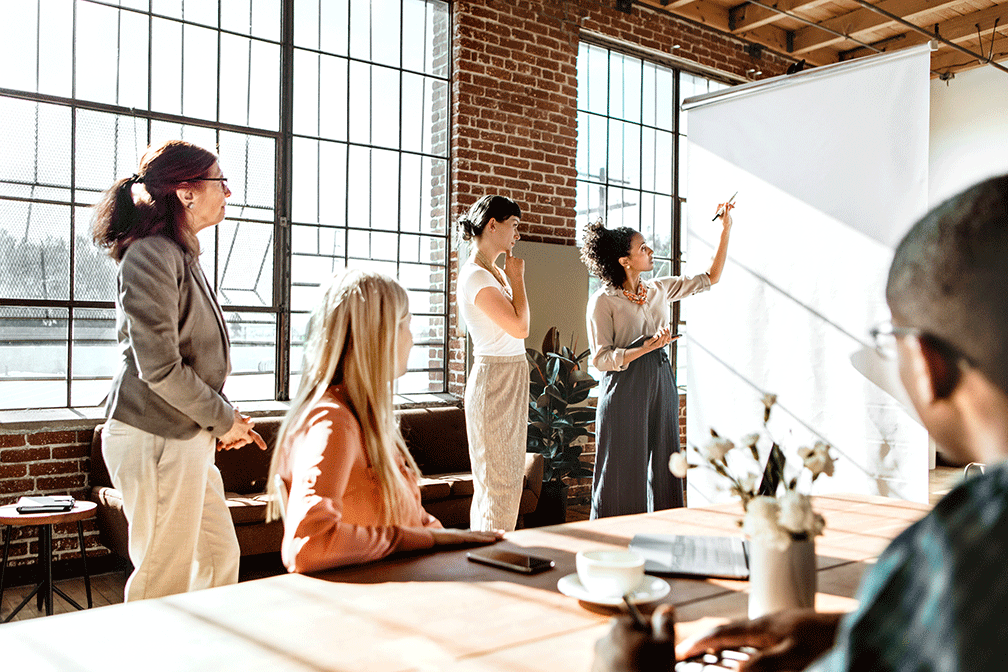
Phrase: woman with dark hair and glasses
(495, 308)
(629, 325)
(166, 410)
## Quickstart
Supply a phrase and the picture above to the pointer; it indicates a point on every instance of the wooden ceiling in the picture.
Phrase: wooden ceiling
(972, 33)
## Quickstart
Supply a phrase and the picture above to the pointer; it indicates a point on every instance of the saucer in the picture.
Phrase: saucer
(651, 589)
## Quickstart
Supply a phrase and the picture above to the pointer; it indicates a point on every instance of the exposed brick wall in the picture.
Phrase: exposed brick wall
(47, 462)
(514, 104)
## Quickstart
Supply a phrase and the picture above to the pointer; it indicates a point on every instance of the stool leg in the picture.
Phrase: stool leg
(3, 568)
(40, 563)
(83, 553)
(47, 532)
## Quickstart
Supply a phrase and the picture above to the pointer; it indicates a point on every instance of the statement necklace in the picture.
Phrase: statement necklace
(482, 260)
(640, 297)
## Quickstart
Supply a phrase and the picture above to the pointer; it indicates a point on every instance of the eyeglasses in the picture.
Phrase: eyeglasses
(222, 180)
(884, 337)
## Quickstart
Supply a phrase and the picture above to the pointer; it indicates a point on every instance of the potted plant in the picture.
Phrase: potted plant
(558, 424)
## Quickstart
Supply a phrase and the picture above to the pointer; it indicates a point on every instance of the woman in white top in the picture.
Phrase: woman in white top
(495, 309)
(637, 417)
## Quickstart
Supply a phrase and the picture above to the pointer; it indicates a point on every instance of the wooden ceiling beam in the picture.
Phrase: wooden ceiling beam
(748, 16)
(861, 20)
(955, 30)
(716, 16)
(950, 60)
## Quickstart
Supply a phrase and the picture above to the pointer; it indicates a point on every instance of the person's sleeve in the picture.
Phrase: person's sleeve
(478, 280)
(151, 274)
(601, 336)
(679, 287)
(315, 536)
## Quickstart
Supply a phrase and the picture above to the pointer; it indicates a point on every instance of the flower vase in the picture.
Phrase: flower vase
(781, 578)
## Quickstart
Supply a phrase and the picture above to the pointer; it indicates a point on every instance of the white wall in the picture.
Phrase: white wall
(969, 131)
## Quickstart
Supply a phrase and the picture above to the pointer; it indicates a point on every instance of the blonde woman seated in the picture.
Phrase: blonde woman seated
(354, 492)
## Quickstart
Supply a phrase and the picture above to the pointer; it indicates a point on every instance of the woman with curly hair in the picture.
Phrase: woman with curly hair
(637, 418)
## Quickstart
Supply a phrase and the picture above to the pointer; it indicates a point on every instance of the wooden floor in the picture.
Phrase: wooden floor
(108, 588)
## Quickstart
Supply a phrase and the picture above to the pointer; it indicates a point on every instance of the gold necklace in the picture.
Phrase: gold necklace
(482, 260)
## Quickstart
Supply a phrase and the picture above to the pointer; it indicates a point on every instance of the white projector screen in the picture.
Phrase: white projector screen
(830, 166)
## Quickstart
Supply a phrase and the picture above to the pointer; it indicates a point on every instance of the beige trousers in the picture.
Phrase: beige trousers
(496, 410)
(181, 537)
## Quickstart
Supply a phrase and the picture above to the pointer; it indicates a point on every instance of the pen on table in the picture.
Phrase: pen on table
(721, 212)
(638, 617)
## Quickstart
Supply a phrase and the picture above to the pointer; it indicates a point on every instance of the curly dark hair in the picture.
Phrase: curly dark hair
(601, 249)
(949, 277)
(482, 211)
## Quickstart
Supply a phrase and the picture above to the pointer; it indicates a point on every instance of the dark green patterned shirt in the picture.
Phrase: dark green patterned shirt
(938, 597)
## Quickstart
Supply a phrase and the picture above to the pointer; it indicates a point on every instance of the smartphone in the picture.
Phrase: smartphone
(510, 560)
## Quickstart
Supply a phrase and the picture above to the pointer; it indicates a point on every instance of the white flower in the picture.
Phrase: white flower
(760, 523)
(796, 515)
(748, 482)
(717, 448)
(817, 459)
(677, 465)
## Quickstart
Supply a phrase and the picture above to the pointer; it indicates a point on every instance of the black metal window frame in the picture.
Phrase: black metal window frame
(676, 226)
(279, 303)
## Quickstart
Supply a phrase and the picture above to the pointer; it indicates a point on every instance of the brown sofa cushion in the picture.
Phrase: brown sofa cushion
(244, 470)
(247, 509)
(436, 437)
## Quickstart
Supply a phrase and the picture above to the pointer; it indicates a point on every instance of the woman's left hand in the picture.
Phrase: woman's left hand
(252, 437)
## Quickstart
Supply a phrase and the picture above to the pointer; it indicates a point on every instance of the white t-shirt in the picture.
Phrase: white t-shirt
(488, 338)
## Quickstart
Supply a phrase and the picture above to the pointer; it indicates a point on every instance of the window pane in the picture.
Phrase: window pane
(199, 72)
(94, 270)
(253, 356)
(95, 355)
(375, 32)
(34, 251)
(33, 361)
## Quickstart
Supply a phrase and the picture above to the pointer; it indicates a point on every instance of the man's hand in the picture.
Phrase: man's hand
(628, 648)
(786, 640)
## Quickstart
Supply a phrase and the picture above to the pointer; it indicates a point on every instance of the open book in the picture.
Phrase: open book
(45, 504)
(693, 555)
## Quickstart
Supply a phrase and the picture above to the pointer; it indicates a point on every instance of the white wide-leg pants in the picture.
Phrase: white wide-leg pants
(496, 410)
(181, 537)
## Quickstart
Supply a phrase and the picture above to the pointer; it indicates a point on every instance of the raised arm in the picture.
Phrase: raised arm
(721, 253)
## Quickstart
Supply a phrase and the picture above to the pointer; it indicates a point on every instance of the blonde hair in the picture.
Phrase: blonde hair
(352, 339)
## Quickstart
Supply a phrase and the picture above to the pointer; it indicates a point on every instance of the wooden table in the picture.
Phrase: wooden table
(433, 611)
(45, 589)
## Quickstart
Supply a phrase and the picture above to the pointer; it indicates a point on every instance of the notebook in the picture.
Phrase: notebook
(45, 504)
(693, 555)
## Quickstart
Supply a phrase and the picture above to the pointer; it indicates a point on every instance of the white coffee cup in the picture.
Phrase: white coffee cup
(610, 573)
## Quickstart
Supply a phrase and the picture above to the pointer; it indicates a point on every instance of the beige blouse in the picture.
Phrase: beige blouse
(614, 321)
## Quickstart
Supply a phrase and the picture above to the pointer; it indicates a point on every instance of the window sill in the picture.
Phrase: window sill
(60, 419)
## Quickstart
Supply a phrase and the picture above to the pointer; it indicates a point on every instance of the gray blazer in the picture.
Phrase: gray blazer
(173, 343)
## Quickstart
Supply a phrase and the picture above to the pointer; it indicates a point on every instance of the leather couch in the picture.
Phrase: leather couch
(435, 436)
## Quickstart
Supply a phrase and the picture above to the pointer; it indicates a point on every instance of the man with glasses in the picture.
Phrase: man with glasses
(937, 598)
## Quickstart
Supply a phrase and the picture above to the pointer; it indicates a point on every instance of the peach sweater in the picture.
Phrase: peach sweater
(335, 503)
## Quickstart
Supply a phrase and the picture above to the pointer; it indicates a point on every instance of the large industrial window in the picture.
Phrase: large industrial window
(631, 153)
(353, 170)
